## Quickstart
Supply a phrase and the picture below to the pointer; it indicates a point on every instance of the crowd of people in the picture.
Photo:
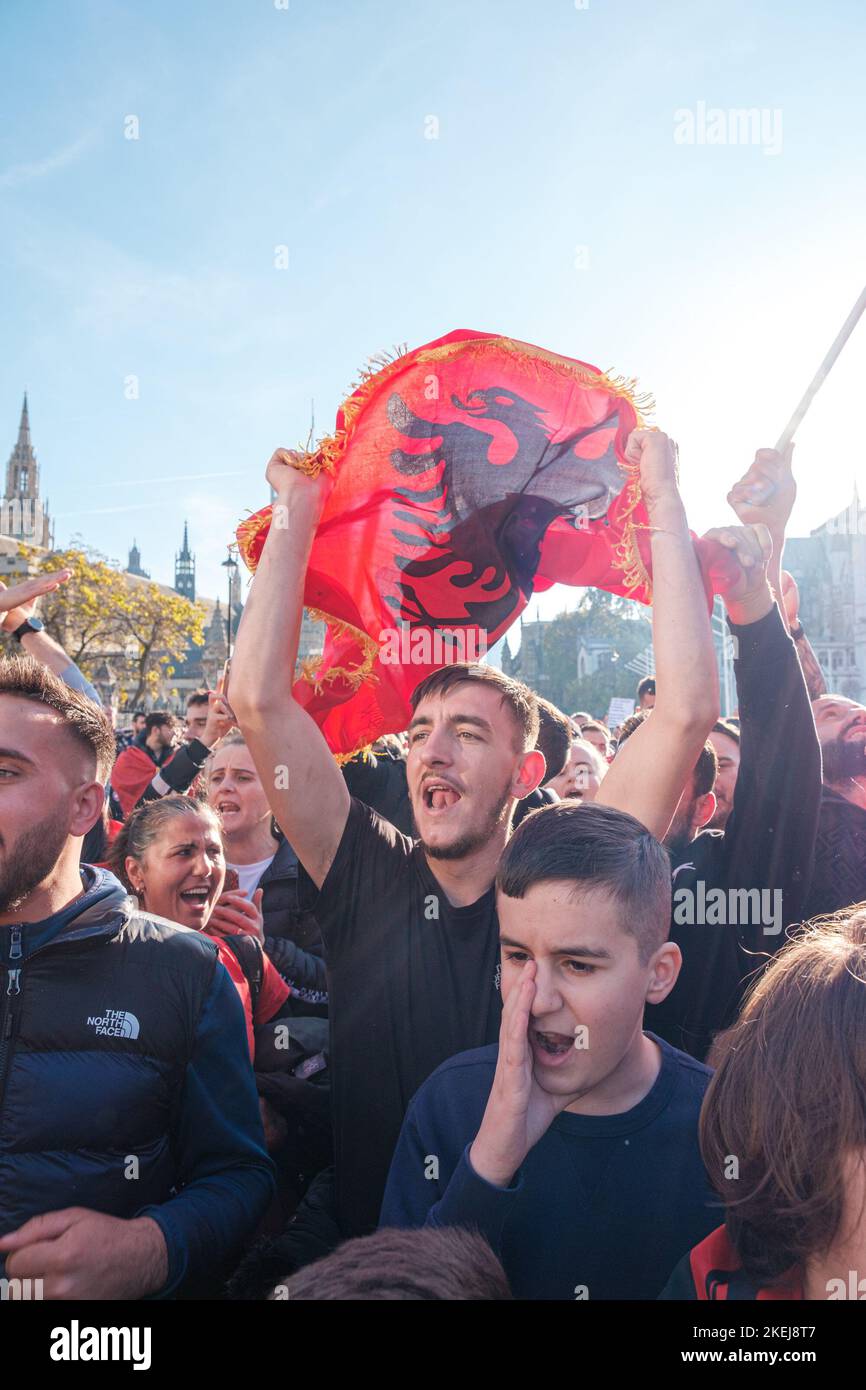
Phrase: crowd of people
(513, 1006)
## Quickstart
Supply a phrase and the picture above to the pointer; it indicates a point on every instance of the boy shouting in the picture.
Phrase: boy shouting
(572, 1145)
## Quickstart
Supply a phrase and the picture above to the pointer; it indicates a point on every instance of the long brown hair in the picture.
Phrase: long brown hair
(787, 1103)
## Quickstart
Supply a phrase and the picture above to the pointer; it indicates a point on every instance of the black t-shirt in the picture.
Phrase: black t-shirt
(413, 981)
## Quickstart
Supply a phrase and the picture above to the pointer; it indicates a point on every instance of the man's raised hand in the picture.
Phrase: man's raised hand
(766, 492)
(749, 597)
(656, 456)
(23, 597)
(290, 481)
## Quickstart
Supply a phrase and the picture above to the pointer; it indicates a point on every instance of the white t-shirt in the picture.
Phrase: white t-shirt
(249, 875)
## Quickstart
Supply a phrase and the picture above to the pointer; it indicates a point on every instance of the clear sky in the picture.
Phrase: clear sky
(556, 204)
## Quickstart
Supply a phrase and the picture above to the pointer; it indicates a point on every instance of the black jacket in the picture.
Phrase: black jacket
(292, 937)
(768, 844)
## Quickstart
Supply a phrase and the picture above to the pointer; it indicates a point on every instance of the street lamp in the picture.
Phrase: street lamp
(231, 566)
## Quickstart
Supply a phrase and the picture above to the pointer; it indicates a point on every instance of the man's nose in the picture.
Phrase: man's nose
(436, 747)
(547, 995)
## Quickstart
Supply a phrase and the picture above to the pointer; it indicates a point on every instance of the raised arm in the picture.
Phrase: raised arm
(649, 772)
(39, 645)
(304, 786)
(766, 493)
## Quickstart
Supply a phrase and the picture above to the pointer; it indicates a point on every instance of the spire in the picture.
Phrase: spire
(24, 428)
(184, 568)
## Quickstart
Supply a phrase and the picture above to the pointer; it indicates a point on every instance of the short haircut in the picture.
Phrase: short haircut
(788, 1098)
(146, 824)
(554, 737)
(706, 768)
(140, 714)
(598, 726)
(197, 697)
(646, 687)
(423, 1265)
(593, 846)
(83, 720)
(722, 726)
(156, 718)
(517, 696)
(581, 717)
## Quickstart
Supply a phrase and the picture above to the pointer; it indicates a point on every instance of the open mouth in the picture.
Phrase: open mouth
(439, 796)
(195, 897)
(228, 808)
(552, 1047)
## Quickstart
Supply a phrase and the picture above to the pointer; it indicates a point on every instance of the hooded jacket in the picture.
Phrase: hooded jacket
(125, 1081)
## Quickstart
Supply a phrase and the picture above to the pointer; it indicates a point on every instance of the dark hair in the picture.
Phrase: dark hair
(517, 696)
(423, 1265)
(722, 726)
(84, 721)
(788, 1099)
(197, 697)
(156, 718)
(554, 737)
(646, 687)
(594, 846)
(707, 766)
(144, 826)
(140, 714)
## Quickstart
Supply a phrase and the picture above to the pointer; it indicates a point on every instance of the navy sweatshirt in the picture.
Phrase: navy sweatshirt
(603, 1207)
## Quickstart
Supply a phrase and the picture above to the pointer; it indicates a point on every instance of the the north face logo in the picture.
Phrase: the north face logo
(115, 1023)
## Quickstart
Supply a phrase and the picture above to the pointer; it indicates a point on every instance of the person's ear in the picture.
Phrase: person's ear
(88, 801)
(664, 967)
(134, 874)
(705, 809)
(530, 774)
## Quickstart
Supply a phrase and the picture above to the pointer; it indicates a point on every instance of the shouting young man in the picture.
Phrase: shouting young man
(410, 928)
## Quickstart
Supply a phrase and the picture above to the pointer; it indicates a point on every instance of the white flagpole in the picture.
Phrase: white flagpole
(822, 373)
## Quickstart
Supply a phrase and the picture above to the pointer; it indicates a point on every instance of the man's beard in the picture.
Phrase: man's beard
(842, 759)
(473, 839)
(680, 836)
(34, 855)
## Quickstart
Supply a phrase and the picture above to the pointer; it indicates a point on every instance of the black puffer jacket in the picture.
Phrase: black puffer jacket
(292, 937)
(121, 1040)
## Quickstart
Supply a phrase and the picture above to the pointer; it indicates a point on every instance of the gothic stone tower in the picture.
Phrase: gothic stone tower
(184, 569)
(22, 514)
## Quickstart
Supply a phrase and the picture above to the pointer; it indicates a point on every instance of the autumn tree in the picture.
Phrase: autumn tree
(102, 614)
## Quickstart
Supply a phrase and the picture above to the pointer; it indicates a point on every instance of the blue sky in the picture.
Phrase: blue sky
(555, 205)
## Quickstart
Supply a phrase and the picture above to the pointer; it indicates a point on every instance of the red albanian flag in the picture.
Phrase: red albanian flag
(470, 473)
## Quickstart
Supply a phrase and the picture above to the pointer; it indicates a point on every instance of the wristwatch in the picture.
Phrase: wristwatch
(797, 632)
(28, 625)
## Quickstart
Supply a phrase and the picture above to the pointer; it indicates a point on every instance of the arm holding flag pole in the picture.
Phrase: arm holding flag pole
(308, 795)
